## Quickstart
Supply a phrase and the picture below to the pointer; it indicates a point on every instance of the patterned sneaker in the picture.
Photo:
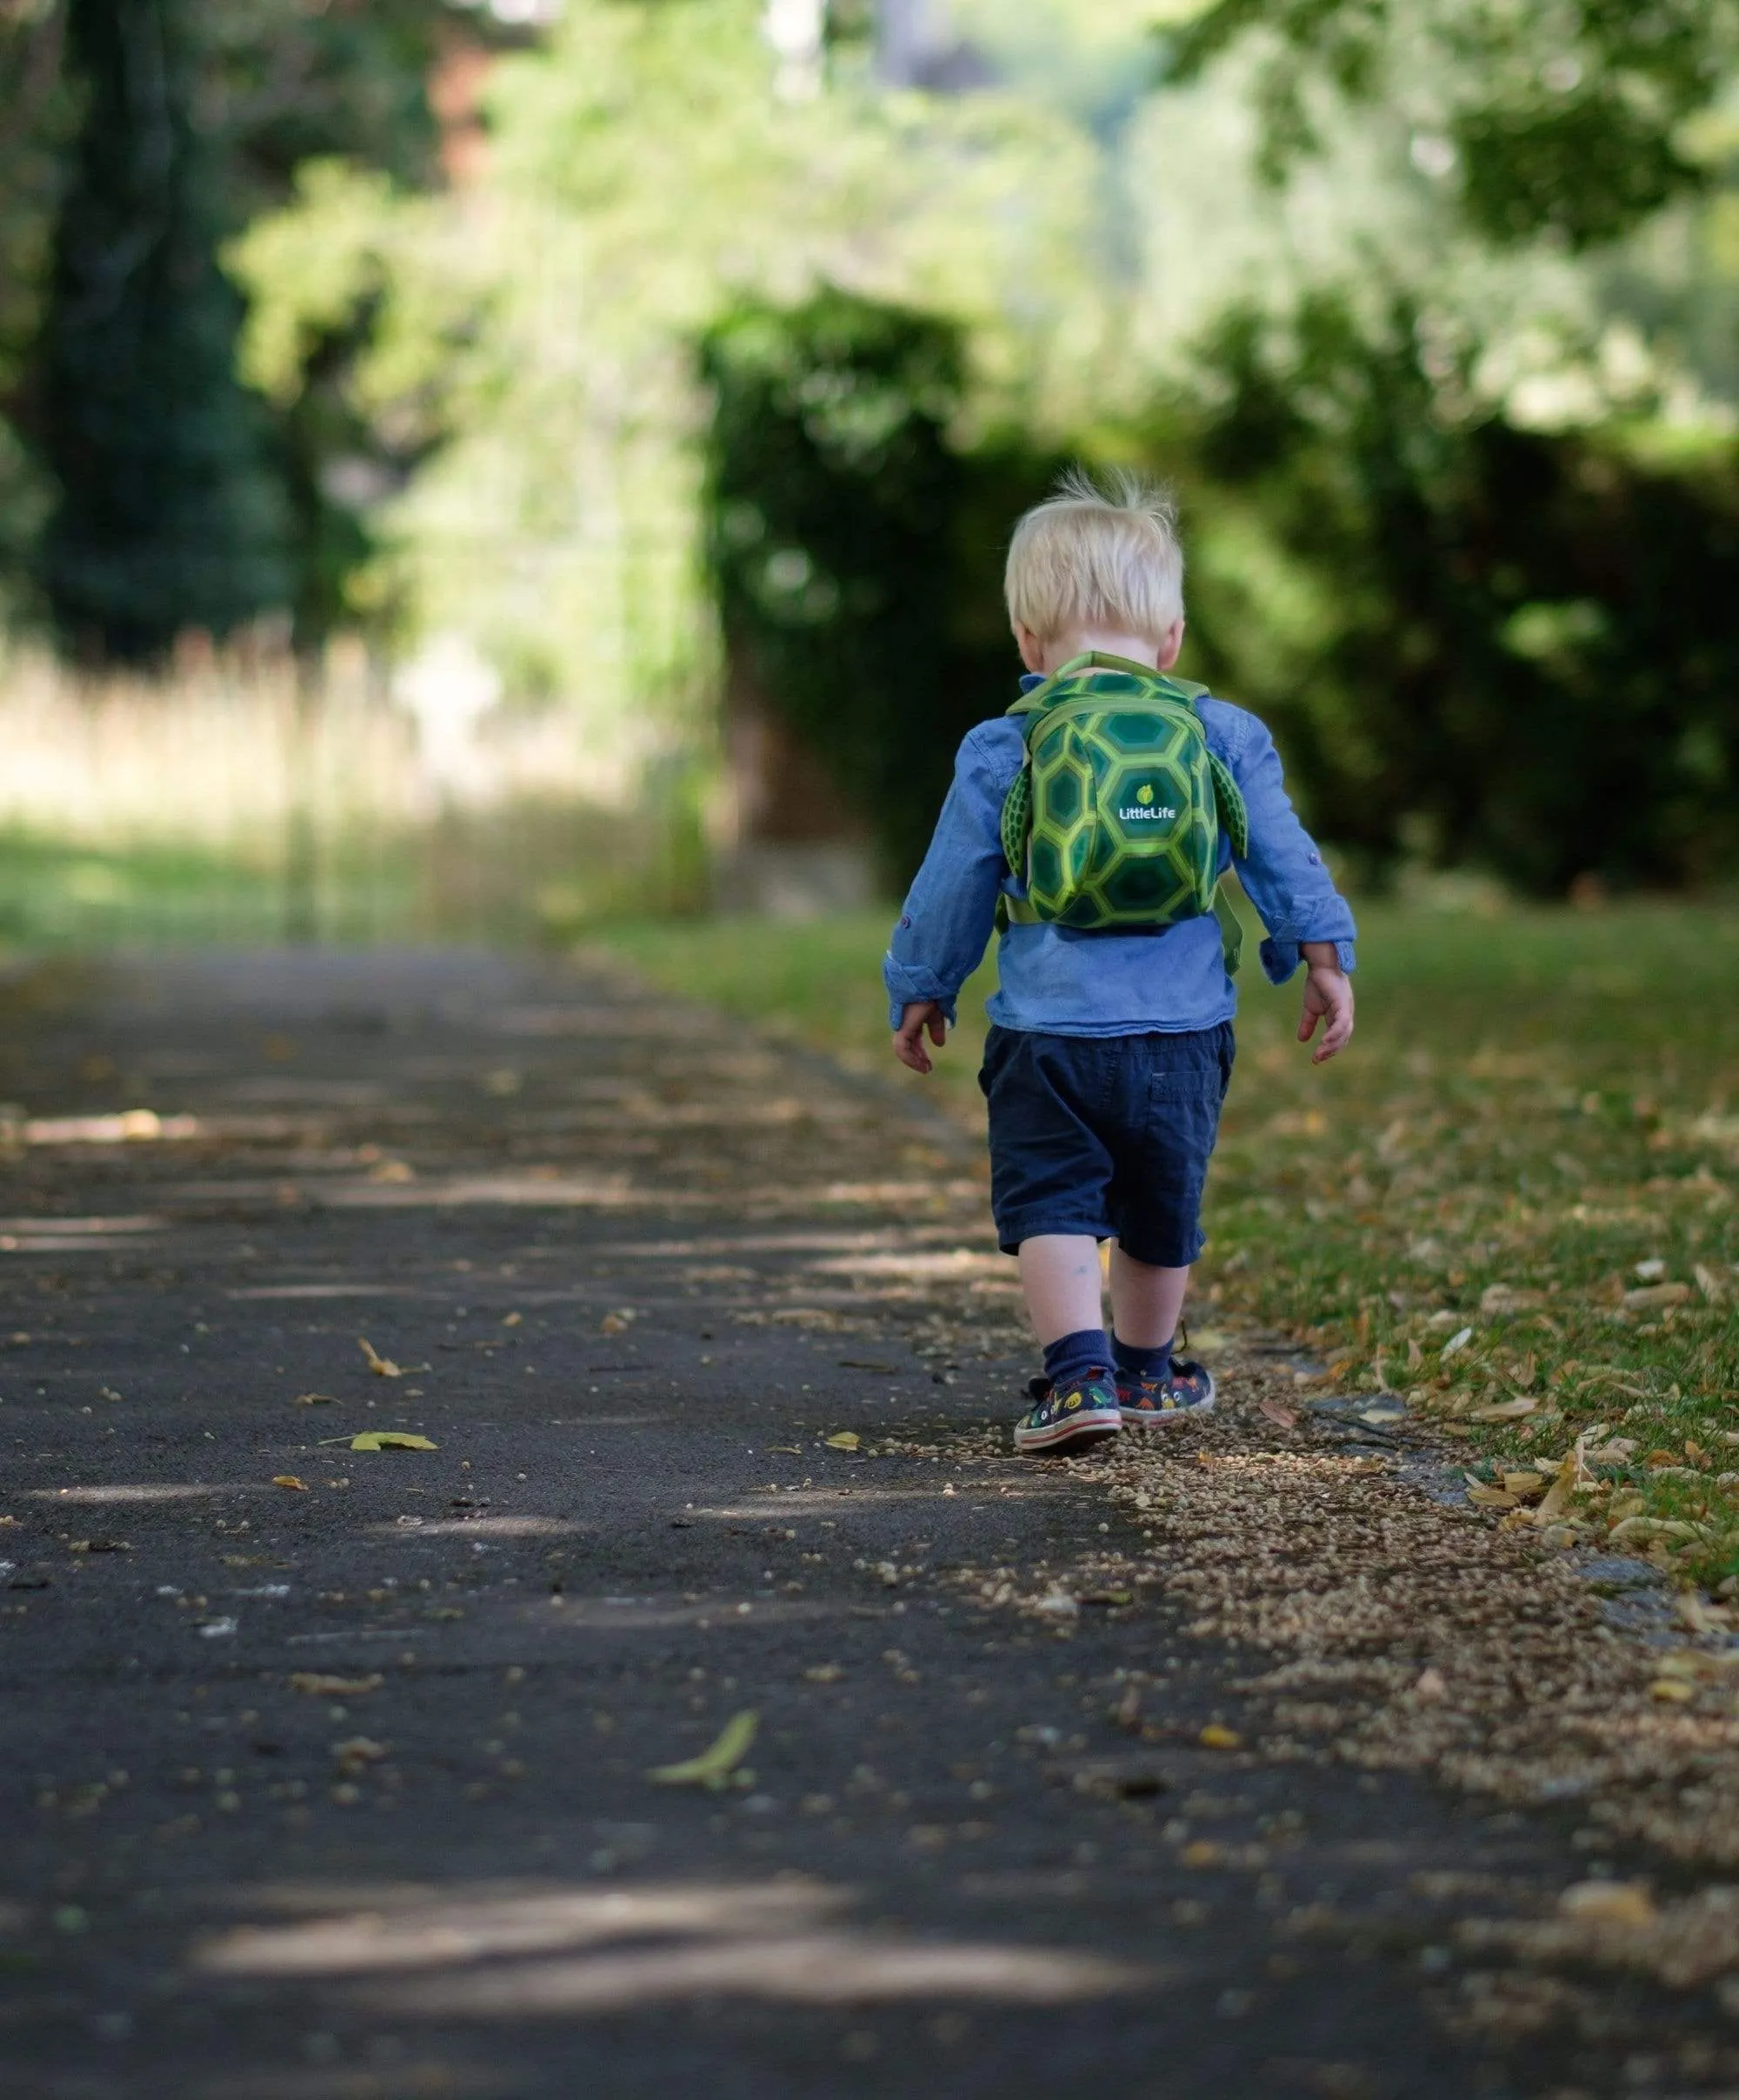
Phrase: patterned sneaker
(1158, 1403)
(1082, 1415)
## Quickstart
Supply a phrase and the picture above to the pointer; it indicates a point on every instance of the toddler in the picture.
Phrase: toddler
(1111, 1047)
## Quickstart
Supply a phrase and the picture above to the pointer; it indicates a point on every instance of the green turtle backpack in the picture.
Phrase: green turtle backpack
(1114, 819)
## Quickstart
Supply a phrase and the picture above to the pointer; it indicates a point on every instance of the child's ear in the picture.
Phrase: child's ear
(1031, 648)
(1170, 645)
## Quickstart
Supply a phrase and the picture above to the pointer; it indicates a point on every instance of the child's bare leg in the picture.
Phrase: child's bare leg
(1061, 1277)
(1146, 1302)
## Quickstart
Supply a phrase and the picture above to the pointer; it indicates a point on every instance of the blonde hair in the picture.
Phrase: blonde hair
(1093, 556)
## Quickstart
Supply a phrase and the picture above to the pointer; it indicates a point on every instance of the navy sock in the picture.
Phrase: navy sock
(1070, 1359)
(1142, 1362)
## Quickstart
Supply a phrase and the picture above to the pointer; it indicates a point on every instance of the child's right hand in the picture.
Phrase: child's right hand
(908, 1036)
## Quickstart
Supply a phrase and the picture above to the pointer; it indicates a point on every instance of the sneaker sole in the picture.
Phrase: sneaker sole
(1090, 1428)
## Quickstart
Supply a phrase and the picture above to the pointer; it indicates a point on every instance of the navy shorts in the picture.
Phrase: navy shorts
(1109, 1135)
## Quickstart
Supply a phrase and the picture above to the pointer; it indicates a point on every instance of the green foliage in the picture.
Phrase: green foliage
(1515, 652)
(167, 516)
(849, 544)
(1564, 119)
(162, 141)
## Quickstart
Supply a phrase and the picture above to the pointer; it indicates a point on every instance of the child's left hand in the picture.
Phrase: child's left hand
(1328, 996)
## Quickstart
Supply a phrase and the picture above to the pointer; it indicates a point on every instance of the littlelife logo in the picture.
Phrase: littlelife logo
(1145, 807)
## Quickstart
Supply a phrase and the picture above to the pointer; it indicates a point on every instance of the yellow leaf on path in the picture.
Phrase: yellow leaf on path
(319, 1685)
(1489, 1498)
(391, 1440)
(844, 1440)
(616, 1322)
(314, 1400)
(785, 1451)
(382, 1367)
(359, 1752)
(1215, 1737)
(1672, 1689)
(1280, 1415)
(715, 1766)
(1609, 1903)
(290, 1480)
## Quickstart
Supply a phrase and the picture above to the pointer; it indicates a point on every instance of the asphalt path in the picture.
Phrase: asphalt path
(327, 1771)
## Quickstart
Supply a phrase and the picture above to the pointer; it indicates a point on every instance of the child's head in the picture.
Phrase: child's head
(1088, 560)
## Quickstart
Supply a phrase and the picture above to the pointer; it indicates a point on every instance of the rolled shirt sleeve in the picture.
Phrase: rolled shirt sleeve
(1283, 874)
(951, 910)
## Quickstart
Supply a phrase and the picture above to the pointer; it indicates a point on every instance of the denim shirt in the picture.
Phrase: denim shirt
(1058, 980)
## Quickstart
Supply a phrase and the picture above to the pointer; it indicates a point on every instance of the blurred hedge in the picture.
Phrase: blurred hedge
(1477, 644)
(856, 551)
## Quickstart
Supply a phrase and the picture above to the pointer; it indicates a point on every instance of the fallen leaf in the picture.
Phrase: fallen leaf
(842, 1440)
(319, 1685)
(785, 1451)
(290, 1480)
(1708, 1283)
(715, 1767)
(357, 1753)
(99, 1545)
(1215, 1737)
(1652, 1527)
(1490, 1498)
(391, 1440)
(511, 1319)
(1498, 1299)
(382, 1367)
(1456, 1343)
(616, 1322)
(1653, 1294)
(1203, 1852)
(1672, 1689)
(1524, 1486)
(1609, 1903)
(823, 1673)
(1278, 1413)
(314, 1400)
(1505, 1410)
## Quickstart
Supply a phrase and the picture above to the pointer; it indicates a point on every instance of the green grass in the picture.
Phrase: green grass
(1540, 1102)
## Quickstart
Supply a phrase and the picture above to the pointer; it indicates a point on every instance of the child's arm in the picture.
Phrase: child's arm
(1307, 919)
(951, 907)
